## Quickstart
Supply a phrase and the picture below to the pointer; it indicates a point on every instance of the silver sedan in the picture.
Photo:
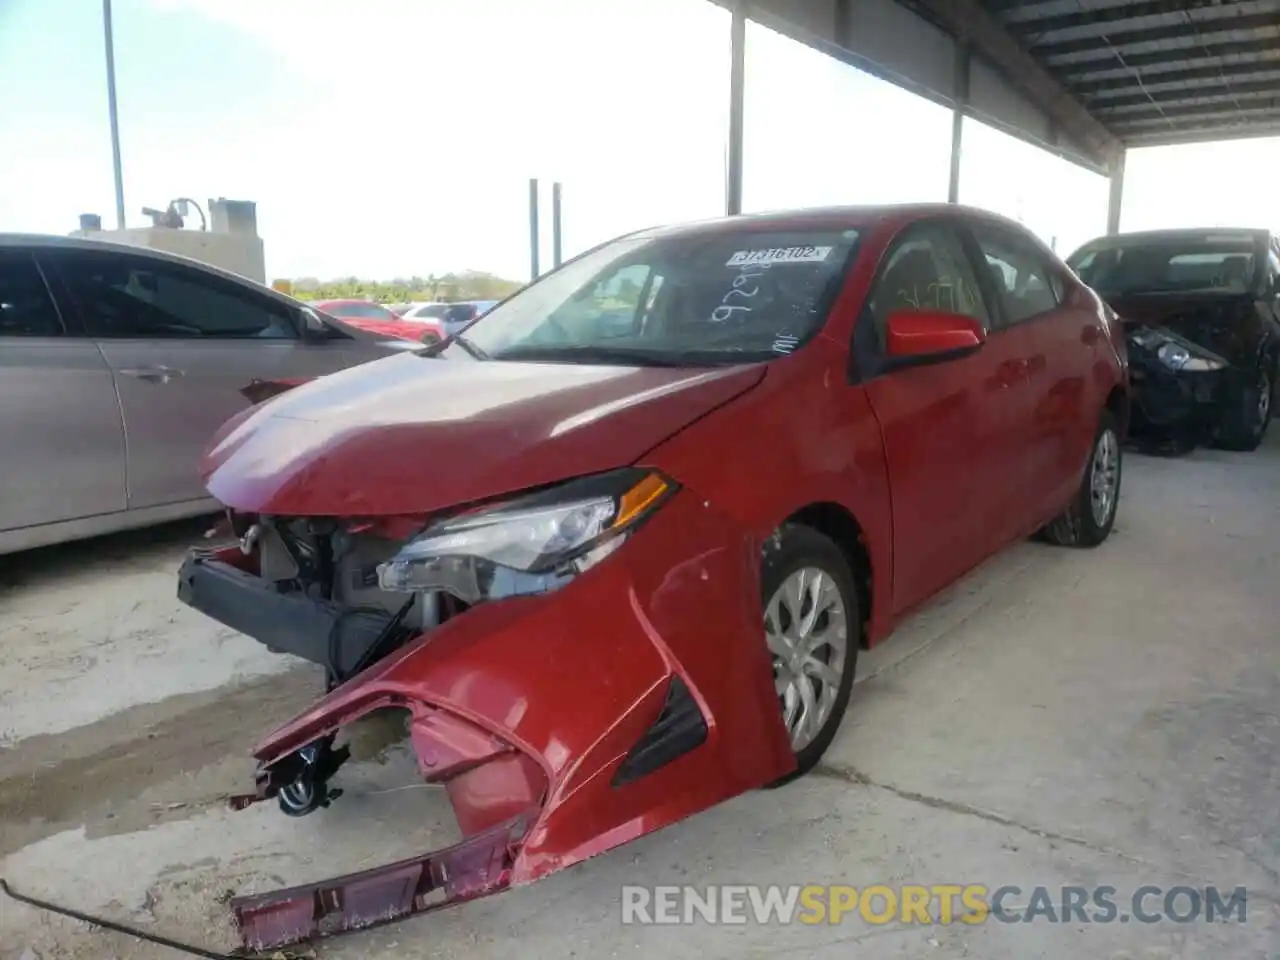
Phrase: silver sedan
(117, 366)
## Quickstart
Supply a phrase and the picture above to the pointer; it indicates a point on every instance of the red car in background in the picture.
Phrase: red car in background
(625, 573)
(375, 318)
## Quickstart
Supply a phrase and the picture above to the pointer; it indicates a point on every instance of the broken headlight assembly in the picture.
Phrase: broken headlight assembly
(532, 544)
(1174, 353)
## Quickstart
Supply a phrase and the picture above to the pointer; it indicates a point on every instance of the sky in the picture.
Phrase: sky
(394, 138)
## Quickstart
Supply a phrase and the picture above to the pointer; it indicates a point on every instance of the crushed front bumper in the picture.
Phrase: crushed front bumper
(1175, 405)
(560, 725)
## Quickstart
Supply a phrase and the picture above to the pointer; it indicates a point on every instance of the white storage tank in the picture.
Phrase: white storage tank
(230, 242)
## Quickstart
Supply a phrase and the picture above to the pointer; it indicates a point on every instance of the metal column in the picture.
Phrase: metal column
(112, 113)
(1116, 195)
(535, 235)
(961, 92)
(555, 224)
(737, 95)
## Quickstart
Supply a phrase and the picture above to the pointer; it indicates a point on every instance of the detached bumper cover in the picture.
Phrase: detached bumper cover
(561, 726)
(476, 867)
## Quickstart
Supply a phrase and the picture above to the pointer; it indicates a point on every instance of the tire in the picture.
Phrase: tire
(1247, 416)
(792, 559)
(429, 339)
(1079, 525)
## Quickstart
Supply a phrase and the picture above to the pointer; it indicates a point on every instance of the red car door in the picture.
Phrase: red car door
(1058, 340)
(953, 431)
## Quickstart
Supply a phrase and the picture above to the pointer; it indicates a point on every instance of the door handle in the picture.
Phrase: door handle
(152, 374)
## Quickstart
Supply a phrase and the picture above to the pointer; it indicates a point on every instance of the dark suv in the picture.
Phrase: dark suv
(1202, 317)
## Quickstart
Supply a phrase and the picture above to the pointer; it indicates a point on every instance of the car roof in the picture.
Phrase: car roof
(10, 241)
(817, 218)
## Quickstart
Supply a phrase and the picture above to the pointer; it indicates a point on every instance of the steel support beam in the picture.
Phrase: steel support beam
(737, 103)
(1115, 196)
(112, 113)
(556, 225)
(969, 20)
(963, 60)
(535, 232)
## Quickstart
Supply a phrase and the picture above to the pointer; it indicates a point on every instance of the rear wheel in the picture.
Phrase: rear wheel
(1088, 519)
(811, 625)
(1247, 416)
(430, 338)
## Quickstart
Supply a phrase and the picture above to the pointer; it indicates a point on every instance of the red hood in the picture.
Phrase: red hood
(413, 435)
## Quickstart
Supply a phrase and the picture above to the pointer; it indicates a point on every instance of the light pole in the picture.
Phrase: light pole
(111, 110)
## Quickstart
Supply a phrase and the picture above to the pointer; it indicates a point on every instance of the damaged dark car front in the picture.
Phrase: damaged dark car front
(1177, 387)
(1201, 310)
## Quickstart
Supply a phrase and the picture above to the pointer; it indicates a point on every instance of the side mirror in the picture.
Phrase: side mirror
(314, 330)
(931, 336)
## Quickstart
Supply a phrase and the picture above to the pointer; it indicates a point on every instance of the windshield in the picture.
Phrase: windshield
(693, 300)
(1185, 263)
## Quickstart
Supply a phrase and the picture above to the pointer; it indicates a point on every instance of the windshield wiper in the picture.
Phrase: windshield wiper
(594, 353)
(435, 349)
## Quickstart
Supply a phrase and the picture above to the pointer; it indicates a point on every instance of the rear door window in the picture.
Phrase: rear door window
(26, 308)
(1022, 276)
(127, 297)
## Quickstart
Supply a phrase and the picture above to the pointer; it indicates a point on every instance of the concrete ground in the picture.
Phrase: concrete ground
(1058, 718)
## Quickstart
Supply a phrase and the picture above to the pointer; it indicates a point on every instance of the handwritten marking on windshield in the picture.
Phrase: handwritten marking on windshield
(744, 285)
(784, 343)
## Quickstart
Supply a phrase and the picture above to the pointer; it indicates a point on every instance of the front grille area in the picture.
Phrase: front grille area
(330, 563)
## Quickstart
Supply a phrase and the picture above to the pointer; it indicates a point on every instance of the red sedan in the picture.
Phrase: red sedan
(375, 318)
(624, 572)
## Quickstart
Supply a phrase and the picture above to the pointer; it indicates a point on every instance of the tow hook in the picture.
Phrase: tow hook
(309, 790)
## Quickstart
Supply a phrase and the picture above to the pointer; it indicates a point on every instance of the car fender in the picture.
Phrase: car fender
(804, 437)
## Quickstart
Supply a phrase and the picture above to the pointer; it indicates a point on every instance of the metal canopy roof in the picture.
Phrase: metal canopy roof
(1156, 72)
(1082, 78)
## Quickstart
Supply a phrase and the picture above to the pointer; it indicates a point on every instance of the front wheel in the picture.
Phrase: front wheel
(811, 626)
(1089, 517)
(1248, 414)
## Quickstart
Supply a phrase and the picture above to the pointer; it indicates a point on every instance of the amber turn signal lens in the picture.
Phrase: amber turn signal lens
(640, 498)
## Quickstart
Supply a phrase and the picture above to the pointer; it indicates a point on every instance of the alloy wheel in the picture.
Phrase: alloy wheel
(1104, 479)
(806, 628)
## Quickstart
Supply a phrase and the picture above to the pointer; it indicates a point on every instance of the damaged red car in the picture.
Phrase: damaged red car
(613, 551)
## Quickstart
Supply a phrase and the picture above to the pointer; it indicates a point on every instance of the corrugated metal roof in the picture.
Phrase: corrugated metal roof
(1159, 71)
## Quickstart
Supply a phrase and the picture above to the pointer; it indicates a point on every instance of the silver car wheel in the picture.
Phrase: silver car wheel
(806, 628)
(1105, 477)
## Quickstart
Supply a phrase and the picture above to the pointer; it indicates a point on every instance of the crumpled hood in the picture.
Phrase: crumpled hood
(413, 435)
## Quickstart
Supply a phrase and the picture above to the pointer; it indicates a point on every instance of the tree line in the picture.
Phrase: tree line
(468, 285)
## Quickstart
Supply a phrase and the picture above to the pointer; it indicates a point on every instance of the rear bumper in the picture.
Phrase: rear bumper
(633, 697)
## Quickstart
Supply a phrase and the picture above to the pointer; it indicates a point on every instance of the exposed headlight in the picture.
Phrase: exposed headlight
(1174, 355)
(1178, 357)
(532, 544)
